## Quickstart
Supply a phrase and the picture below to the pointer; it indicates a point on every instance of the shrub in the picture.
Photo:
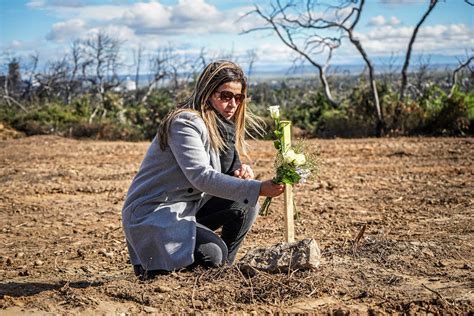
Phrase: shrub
(339, 123)
(450, 115)
(147, 117)
(308, 114)
(50, 118)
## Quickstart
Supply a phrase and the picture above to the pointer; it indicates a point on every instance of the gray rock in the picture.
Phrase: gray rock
(301, 255)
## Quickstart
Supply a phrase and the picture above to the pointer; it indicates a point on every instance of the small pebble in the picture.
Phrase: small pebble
(163, 289)
(149, 309)
(38, 263)
(106, 254)
(198, 304)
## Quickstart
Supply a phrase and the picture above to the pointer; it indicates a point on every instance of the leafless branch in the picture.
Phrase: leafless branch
(8, 99)
(410, 47)
(455, 73)
(291, 23)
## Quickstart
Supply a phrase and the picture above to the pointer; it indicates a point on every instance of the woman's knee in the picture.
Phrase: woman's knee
(247, 215)
(211, 255)
(247, 212)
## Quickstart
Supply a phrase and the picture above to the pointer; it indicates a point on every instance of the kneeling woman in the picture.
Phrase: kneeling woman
(191, 181)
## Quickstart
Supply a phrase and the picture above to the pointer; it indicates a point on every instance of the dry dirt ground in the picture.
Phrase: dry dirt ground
(62, 249)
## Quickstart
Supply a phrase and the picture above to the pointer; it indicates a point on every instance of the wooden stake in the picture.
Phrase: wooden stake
(289, 208)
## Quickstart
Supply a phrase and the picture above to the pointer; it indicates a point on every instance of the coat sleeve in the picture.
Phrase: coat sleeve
(186, 143)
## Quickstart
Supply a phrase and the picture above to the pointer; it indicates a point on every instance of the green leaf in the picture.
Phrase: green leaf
(277, 144)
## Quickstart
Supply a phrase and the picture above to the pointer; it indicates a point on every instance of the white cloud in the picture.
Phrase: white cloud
(66, 30)
(186, 17)
(36, 4)
(377, 20)
(194, 10)
(394, 21)
(380, 20)
(120, 32)
(153, 17)
(15, 44)
(147, 16)
(446, 39)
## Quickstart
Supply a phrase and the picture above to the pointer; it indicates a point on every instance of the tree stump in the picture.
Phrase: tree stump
(282, 257)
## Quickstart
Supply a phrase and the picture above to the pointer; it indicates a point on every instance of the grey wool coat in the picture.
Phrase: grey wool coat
(171, 185)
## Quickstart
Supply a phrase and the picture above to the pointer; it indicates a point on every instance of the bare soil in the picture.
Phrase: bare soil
(62, 248)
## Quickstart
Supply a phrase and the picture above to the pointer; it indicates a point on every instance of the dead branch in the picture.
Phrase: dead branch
(455, 73)
(441, 297)
(410, 47)
(358, 237)
(289, 29)
(9, 98)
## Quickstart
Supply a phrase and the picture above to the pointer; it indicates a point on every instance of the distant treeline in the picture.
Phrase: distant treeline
(83, 96)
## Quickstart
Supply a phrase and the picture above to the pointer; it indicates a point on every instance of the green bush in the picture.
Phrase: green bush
(339, 123)
(401, 118)
(450, 115)
(309, 113)
(50, 118)
(147, 117)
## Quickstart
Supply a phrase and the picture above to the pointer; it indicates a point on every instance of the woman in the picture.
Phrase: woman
(191, 181)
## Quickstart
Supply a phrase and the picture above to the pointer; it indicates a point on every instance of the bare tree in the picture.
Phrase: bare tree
(421, 76)
(389, 68)
(454, 77)
(160, 64)
(299, 19)
(410, 47)
(252, 56)
(138, 61)
(356, 11)
(102, 51)
(31, 71)
(296, 27)
(76, 56)
(10, 84)
(52, 82)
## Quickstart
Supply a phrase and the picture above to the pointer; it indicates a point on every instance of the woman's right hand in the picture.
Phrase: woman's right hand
(270, 189)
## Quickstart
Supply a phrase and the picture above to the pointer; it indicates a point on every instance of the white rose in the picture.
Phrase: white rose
(274, 111)
(289, 156)
(300, 160)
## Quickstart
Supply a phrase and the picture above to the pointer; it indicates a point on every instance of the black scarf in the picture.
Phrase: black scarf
(229, 157)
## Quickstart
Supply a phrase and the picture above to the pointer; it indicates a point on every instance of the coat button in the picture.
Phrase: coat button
(190, 190)
(246, 201)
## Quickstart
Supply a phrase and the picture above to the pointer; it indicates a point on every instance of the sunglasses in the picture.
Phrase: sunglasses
(226, 96)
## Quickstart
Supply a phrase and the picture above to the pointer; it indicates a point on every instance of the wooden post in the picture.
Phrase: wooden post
(289, 219)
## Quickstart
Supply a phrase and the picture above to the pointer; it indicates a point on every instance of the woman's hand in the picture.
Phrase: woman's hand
(270, 189)
(244, 172)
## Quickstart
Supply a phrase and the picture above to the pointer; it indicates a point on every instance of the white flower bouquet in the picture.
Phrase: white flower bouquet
(291, 164)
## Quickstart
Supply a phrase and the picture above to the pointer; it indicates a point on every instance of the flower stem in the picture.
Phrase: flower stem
(265, 207)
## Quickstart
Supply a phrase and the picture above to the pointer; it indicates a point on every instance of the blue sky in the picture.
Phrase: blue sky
(47, 27)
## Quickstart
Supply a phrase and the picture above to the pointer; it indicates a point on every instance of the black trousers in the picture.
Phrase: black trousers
(234, 218)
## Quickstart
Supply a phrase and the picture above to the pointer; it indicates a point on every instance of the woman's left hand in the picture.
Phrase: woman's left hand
(244, 172)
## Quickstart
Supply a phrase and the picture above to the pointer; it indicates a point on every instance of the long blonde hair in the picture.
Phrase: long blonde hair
(212, 77)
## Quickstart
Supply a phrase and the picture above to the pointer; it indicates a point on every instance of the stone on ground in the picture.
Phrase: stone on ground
(282, 257)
